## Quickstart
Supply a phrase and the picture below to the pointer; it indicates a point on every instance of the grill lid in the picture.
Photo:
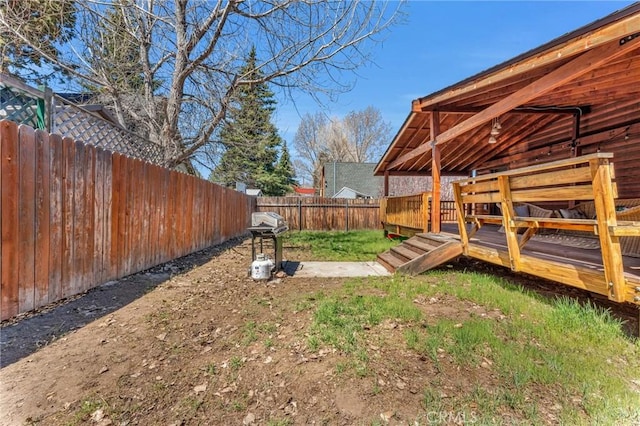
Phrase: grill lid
(268, 221)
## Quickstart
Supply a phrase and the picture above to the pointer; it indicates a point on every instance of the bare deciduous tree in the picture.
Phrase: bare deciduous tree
(359, 137)
(367, 134)
(310, 145)
(189, 55)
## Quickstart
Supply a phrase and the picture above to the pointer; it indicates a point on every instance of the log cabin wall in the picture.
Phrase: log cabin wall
(623, 140)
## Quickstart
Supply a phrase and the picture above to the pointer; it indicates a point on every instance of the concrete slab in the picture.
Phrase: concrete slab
(334, 269)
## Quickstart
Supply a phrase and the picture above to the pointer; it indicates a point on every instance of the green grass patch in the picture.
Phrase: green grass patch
(527, 346)
(352, 246)
(88, 407)
(340, 321)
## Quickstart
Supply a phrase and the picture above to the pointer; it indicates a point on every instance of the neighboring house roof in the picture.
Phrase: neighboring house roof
(357, 176)
(347, 192)
(254, 192)
(304, 191)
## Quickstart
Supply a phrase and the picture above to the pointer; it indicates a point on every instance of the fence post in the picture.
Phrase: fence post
(346, 214)
(425, 211)
(48, 109)
(299, 214)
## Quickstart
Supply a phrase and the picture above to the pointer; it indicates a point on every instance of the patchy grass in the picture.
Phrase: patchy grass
(446, 347)
(354, 246)
(557, 360)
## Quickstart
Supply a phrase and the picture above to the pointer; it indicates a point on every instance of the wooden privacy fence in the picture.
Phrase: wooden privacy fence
(324, 214)
(74, 216)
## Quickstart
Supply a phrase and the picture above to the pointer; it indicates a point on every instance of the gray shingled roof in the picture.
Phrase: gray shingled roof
(357, 176)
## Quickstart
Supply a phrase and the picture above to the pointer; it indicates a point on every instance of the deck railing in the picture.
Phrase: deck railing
(410, 214)
(589, 178)
(405, 215)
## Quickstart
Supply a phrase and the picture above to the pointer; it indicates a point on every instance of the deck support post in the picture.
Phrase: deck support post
(426, 196)
(386, 183)
(462, 224)
(435, 173)
(508, 215)
(603, 197)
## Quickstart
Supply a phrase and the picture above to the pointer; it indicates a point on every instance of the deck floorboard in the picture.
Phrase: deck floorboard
(568, 252)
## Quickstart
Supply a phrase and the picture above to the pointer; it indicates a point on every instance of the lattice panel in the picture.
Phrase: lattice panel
(19, 103)
(18, 106)
(80, 125)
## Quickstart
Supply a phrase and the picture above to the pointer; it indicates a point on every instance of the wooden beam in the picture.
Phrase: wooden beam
(543, 109)
(603, 197)
(435, 174)
(567, 72)
(386, 183)
(460, 214)
(381, 167)
(417, 173)
(598, 37)
(508, 215)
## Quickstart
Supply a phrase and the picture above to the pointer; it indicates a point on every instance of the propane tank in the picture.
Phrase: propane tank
(261, 267)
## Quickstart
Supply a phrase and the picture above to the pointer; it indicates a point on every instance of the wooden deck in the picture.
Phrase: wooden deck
(588, 178)
(490, 240)
(537, 242)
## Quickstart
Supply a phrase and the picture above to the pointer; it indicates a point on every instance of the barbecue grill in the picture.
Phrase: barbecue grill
(271, 226)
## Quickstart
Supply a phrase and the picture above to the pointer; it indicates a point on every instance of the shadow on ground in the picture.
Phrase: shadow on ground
(23, 335)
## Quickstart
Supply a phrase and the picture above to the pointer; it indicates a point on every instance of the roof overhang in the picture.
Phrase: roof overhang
(576, 85)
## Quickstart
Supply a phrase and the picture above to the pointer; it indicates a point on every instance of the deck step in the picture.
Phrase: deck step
(419, 244)
(389, 261)
(402, 251)
(433, 239)
(420, 253)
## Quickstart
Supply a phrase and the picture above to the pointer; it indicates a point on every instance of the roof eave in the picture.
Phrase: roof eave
(616, 25)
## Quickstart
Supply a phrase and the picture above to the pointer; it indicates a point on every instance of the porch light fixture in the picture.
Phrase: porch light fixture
(495, 130)
(496, 127)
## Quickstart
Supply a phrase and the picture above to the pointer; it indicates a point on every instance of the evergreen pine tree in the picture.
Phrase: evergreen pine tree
(251, 141)
(285, 171)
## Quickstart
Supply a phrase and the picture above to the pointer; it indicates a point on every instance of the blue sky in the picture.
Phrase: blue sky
(442, 43)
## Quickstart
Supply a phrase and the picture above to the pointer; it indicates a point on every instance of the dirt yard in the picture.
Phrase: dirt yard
(199, 342)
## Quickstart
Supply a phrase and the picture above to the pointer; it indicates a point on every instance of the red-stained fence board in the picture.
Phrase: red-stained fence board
(143, 259)
(165, 217)
(117, 214)
(172, 226)
(107, 179)
(43, 220)
(130, 215)
(176, 204)
(56, 247)
(79, 220)
(9, 180)
(27, 219)
(122, 218)
(88, 275)
(138, 219)
(154, 212)
(98, 217)
(68, 201)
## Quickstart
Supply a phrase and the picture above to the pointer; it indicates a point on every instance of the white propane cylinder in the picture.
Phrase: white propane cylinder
(261, 267)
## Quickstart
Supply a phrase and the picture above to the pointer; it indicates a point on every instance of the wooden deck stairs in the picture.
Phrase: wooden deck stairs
(420, 253)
